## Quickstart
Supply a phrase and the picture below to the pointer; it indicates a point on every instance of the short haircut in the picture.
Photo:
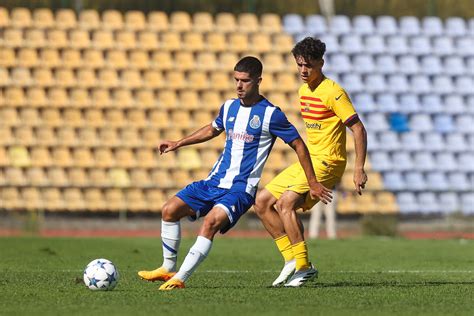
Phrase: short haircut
(250, 65)
(309, 48)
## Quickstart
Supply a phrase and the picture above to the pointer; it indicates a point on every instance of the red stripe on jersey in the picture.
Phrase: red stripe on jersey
(311, 98)
(316, 112)
(318, 118)
(320, 106)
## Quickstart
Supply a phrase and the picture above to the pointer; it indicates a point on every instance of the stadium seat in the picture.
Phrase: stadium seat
(102, 39)
(112, 20)
(431, 103)
(420, 84)
(45, 136)
(380, 161)
(352, 83)
(7, 57)
(409, 64)
(89, 19)
(463, 46)
(446, 161)
(77, 177)
(401, 161)
(135, 20)
(65, 19)
(180, 21)
(270, 23)
(433, 141)
(424, 161)
(157, 21)
(340, 63)
(247, 23)
(115, 200)
(363, 25)
(82, 157)
(415, 181)
(13, 38)
(94, 199)
(170, 41)
(339, 25)
(431, 65)
(375, 83)
(364, 102)
(61, 157)
(464, 123)
(57, 177)
(456, 142)
(409, 103)
(465, 161)
(449, 202)
(455, 26)
(203, 22)
(394, 181)
(79, 39)
(409, 25)
(331, 41)
(52, 199)
(428, 203)
(443, 123)
(147, 40)
(389, 141)
(155, 199)
(20, 18)
(85, 79)
(351, 44)
(437, 181)
(459, 181)
(32, 198)
(454, 65)
(397, 83)
(194, 41)
(374, 44)
(443, 46)
(260, 43)
(66, 136)
(432, 26)
(294, 24)
(35, 38)
(397, 45)
(386, 25)
(4, 18)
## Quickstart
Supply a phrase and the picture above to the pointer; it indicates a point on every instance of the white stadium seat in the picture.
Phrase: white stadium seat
(409, 25)
(415, 181)
(455, 26)
(432, 26)
(363, 24)
(386, 25)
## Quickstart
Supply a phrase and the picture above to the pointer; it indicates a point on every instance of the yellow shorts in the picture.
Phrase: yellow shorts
(294, 179)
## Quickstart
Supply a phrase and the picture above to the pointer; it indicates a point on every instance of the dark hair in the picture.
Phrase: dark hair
(309, 48)
(250, 65)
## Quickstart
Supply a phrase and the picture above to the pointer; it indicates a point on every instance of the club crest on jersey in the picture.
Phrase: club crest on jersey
(255, 122)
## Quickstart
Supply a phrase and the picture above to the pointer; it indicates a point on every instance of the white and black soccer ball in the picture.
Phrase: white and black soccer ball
(101, 275)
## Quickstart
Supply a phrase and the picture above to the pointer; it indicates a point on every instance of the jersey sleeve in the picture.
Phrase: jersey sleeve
(281, 127)
(341, 104)
(218, 122)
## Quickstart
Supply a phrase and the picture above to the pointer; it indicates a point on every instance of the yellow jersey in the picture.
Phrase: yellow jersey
(325, 112)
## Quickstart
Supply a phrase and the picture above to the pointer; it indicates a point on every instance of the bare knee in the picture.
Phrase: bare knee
(167, 213)
(264, 203)
(210, 226)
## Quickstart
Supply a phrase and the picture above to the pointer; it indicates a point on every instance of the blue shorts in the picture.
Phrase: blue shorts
(202, 197)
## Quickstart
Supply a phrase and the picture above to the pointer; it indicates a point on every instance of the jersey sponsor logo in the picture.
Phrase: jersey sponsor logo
(312, 125)
(232, 208)
(337, 98)
(240, 136)
(231, 119)
(255, 122)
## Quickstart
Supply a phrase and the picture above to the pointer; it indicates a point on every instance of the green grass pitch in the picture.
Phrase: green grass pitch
(367, 276)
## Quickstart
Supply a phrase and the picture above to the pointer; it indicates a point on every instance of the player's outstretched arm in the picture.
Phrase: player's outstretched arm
(316, 188)
(360, 144)
(201, 135)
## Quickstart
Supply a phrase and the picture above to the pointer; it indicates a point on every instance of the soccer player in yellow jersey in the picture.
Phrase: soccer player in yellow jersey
(326, 111)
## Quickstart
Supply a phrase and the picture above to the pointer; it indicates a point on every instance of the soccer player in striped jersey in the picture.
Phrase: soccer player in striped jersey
(251, 124)
(326, 111)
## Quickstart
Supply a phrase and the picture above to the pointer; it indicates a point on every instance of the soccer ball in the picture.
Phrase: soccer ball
(101, 275)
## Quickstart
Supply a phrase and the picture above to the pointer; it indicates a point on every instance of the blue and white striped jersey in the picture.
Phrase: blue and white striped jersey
(251, 132)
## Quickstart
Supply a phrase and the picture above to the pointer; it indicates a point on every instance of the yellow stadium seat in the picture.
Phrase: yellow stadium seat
(27, 57)
(209, 158)
(20, 77)
(181, 178)
(220, 81)
(129, 137)
(73, 117)
(65, 19)
(131, 79)
(103, 157)
(94, 117)
(216, 42)
(203, 22)
(386, 202)
(6, 139)
(32, 198)
(89, 19)
(147, 40)
(4, 158)
(49, 57)
(125, 40)
(4, 79)
(19, 156)
(138, 59)
(135, 20)
(103, 39)
(108, 78)
(87, 136)
(101, 97)
(189, 99)
(36, 97)
(157, 21)
(85, 79)
(161, 60)
(248, 23)
(58, 97)
(202, 117)
(43, 77)
(179, 115)
(15, 176)
(43, 18)
(211, 100)
(375, 182)
(145, 98)
(74, 200)
(170, 41)
(180, 21)
(150, 137)
(159, 118)
(283, 43)
(135, 200)
(35, 38)
(45, 136)
(193, 41)
(66, 136)
(20, 18)
(57, 177)
(118, 177)
(36, 176)
(79, 39)
(206, 61)
(116, 59)
(124, 158)
(225, 22)
(4, 18)
(365, 203)
(61, 157)
(175, 79)
(29, 117)
(270, 23)
(345, 203)
(198, 80)
(260, 43)
(122, 98)
(238, 42)
(94, 199)
(77, 177)
(189, 159)
(277, 98)
(40, 157)
(136, 117)
(286, 82)
(184, 61)
(227, 61)
(13, 38)
(93, 58)
(273, 62)
(146, 157)
(64, 78)
(7, 57)
(14, 96)
(112, 20)
(108, 136)
(10, 198)
(115, 117)
(57, 38)
(267, 84)
(155, 200)
(71, 58)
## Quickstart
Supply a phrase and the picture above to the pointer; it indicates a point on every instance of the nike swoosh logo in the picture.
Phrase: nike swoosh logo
(339, 96)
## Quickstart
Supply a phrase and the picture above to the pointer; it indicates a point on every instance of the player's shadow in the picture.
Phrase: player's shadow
(386, 284)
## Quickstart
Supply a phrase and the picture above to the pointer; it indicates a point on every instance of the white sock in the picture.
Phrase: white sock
(196, 255)
(170, 238)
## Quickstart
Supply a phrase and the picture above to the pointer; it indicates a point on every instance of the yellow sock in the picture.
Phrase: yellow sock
(300, 252)
(284, 245)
